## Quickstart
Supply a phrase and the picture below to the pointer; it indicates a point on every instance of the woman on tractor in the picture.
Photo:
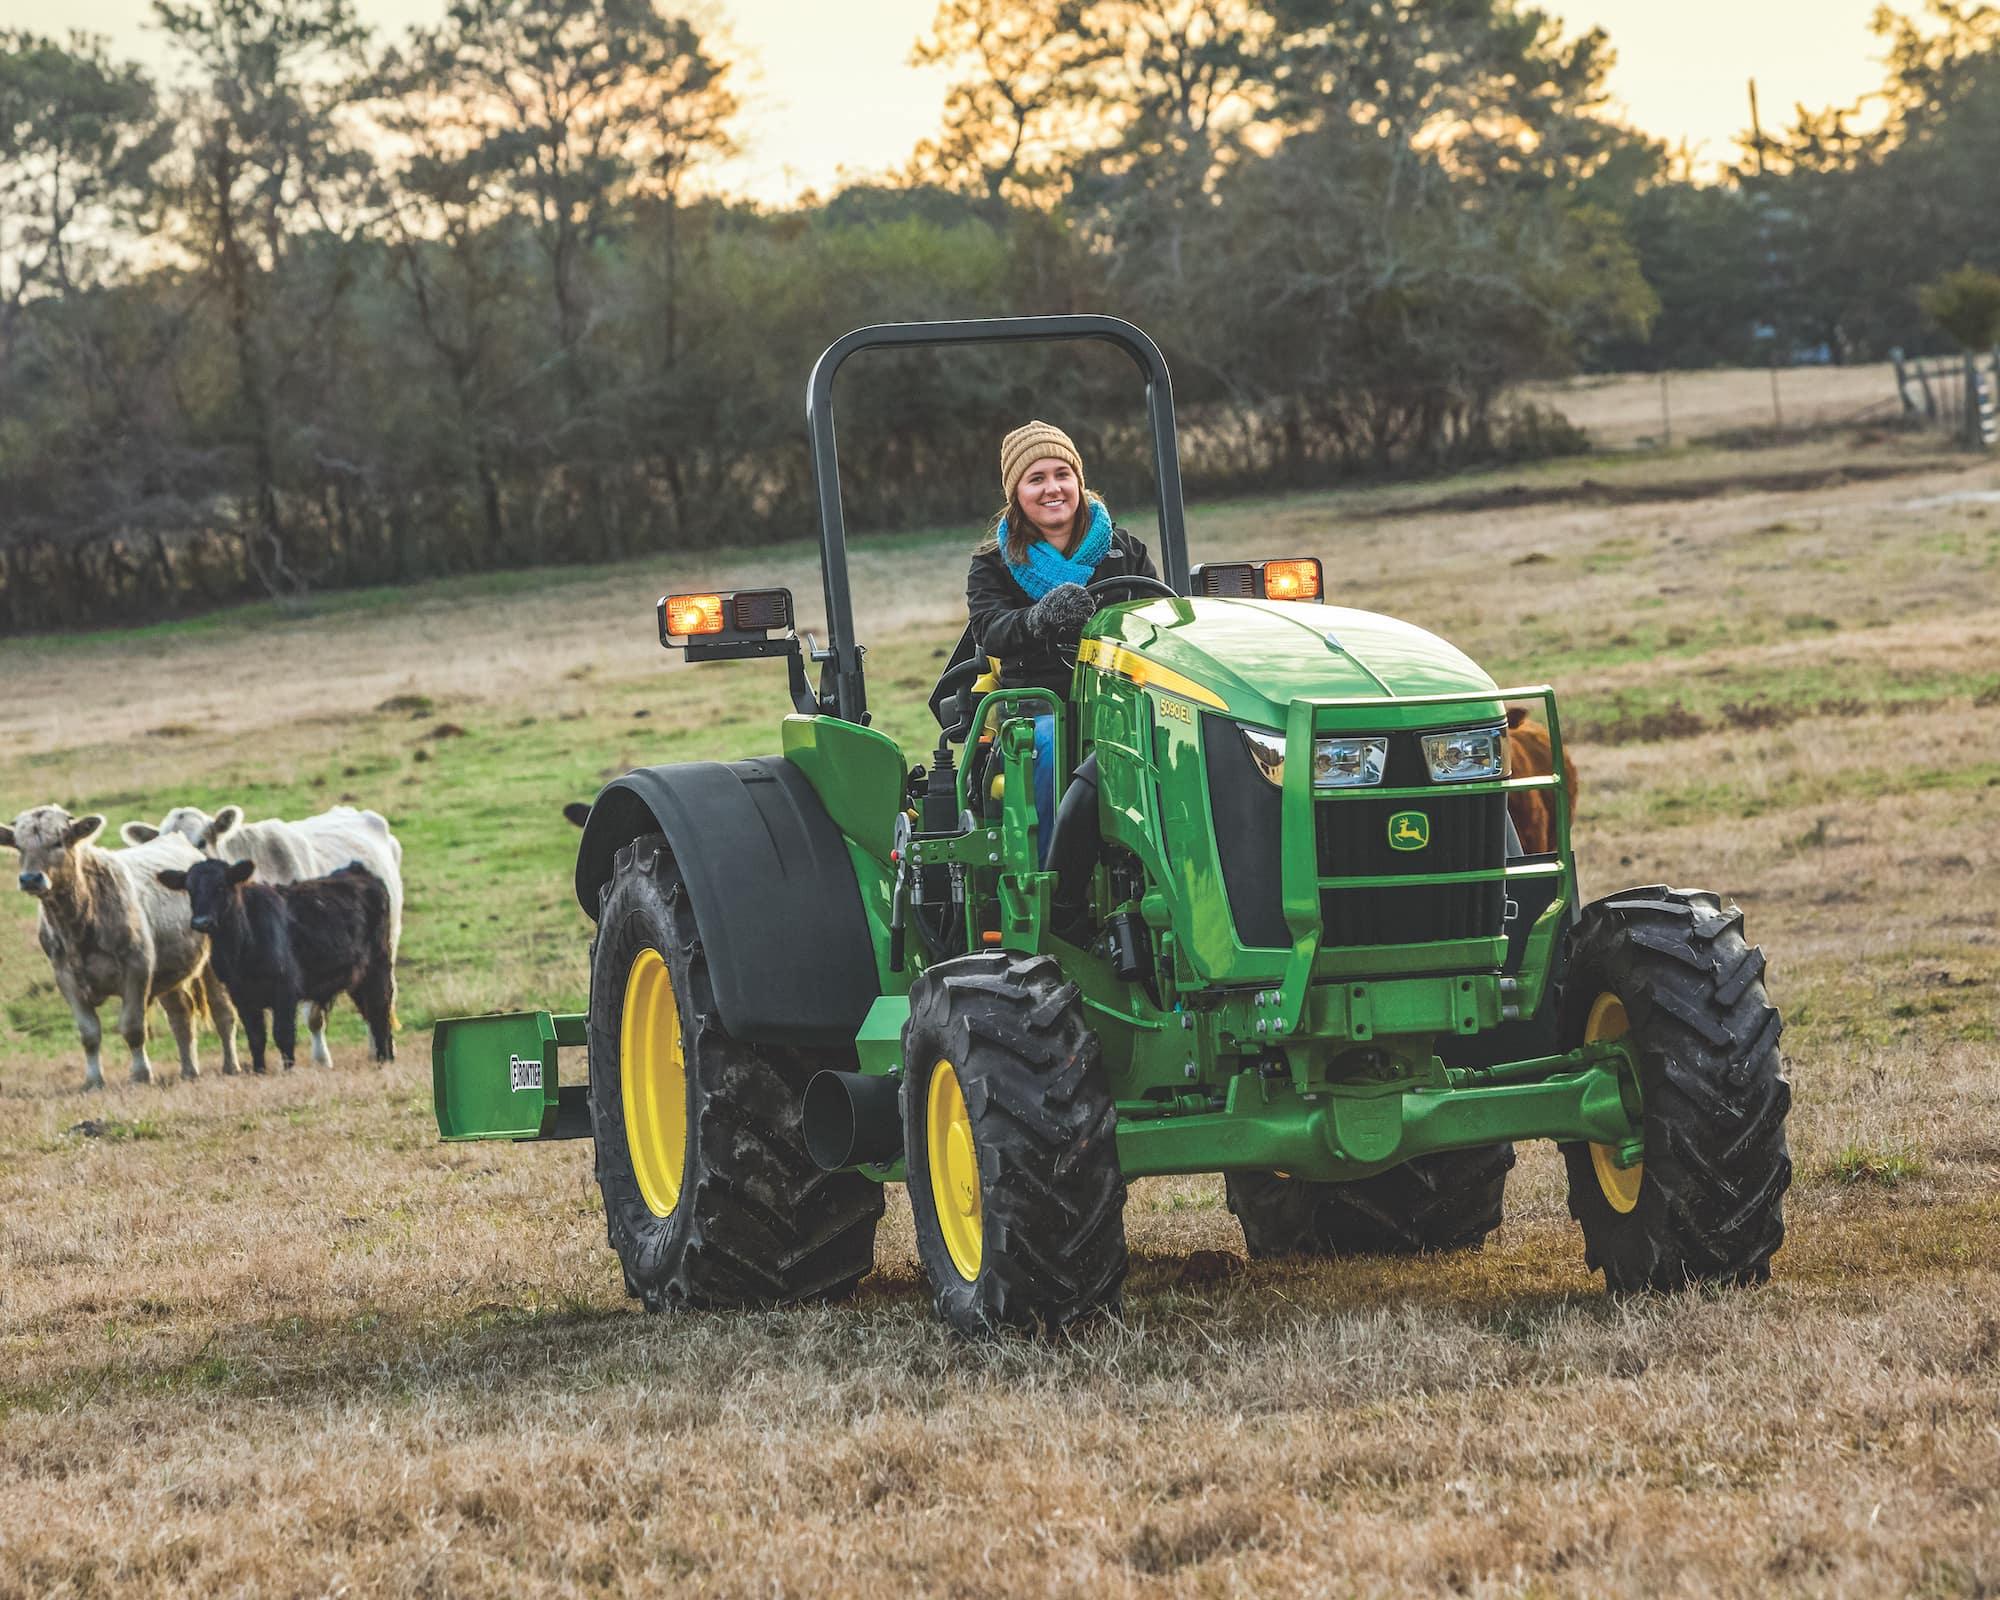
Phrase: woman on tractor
(1026, 591)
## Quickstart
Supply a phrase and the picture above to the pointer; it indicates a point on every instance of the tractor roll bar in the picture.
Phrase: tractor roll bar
(850, 695)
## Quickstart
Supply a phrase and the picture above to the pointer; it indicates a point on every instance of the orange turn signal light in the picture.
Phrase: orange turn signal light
(690, 614)
(1291, 580)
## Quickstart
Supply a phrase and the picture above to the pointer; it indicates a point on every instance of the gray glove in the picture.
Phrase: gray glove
(1061, 613)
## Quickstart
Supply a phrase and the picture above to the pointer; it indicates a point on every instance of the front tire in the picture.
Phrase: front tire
(1450, 1200)
(710, 1199)
(1669, 970)
(1010, 1136)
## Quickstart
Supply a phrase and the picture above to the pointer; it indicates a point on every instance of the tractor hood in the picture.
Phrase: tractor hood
(1254, 657)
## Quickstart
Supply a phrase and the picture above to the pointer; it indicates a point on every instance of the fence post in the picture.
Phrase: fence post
(1983, 402)
(1902, 384)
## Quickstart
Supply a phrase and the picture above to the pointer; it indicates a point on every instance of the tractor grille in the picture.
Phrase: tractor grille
(1468, 832)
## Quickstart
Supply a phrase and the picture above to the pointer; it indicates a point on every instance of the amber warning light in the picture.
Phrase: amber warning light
(688, 614)
(1294, 578)
(733, 623)
(1291, 580)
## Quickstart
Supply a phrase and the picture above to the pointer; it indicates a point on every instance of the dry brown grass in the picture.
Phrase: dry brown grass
(1624, 408)
(271, 1338)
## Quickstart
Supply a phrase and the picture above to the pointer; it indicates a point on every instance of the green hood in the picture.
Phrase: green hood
(1259, 655)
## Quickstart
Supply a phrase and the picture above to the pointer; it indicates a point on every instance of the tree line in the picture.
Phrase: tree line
(324, 310)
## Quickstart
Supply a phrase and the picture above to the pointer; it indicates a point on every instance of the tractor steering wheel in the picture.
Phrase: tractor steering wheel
(1130, 580)
(1107, 590)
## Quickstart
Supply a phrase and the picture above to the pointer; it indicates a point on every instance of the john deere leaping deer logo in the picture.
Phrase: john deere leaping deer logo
(1409, 830)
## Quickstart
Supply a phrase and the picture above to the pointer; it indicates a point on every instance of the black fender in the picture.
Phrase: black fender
(771, 883)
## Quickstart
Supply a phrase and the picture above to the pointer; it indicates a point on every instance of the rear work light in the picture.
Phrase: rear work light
(1294, 578)
(738, 623)
(733, 623)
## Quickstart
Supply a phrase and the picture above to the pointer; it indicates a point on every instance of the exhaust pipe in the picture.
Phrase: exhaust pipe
(853, 1119)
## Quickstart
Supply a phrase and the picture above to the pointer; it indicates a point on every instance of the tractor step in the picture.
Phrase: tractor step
(495, 1077)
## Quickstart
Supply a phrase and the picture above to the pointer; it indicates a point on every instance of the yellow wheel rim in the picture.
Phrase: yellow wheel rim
(1607, 1020)
(652, 1072)
(954, 1163)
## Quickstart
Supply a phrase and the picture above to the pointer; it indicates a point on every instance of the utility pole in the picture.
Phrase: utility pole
(1756, 130)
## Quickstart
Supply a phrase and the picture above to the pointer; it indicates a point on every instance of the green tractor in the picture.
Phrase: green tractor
(1282, 929)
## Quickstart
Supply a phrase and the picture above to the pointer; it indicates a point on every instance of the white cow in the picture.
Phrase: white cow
(282, 853)
(342, 835)
(109, 928)
(286, 852)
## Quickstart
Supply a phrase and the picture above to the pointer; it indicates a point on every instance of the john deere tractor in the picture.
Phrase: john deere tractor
(1281, 929)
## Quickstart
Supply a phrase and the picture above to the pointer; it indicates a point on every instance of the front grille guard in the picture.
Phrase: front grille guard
(1302, 883)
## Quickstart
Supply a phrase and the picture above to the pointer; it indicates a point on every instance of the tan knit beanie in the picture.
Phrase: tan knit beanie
(1034, 442)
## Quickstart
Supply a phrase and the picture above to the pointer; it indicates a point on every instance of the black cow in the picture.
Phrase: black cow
(274, 945)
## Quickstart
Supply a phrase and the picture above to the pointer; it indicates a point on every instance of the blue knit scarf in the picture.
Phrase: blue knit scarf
(1044, 569)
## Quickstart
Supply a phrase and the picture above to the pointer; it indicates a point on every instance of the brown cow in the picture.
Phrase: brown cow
(1528, 756)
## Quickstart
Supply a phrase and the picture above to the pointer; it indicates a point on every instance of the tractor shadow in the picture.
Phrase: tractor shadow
(1178, 1311)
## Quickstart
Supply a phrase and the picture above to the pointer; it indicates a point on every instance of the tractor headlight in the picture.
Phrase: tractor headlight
(1348, 763)
(1343, 763)
(1465, 755)
(1267, 749)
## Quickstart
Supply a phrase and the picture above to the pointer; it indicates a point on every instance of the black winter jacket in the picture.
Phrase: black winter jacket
(998, 607)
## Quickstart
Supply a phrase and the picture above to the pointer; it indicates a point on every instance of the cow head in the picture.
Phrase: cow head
(193, 824)
(45, 837)
(210, 887)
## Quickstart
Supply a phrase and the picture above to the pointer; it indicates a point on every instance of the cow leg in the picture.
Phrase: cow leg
(253, 1026)
(179, 1007)
(375, 994)
(132, 1027)
(316, 1026)
(285, 1027)
(89, 1031)
(222, 1012)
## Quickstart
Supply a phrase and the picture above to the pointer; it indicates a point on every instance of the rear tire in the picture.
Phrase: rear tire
(1669, 969)
(722, 1206)
(1450, 1200)
(1019, 1201)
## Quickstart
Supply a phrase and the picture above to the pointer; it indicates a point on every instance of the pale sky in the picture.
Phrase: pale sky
(830, 89)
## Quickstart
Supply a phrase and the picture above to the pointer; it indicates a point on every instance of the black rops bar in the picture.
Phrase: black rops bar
(850, 695)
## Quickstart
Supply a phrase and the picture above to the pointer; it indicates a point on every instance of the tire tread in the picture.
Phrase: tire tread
(758, 1223)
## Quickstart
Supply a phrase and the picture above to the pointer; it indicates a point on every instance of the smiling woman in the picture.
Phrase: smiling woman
(1049, 539)
(1026, 593)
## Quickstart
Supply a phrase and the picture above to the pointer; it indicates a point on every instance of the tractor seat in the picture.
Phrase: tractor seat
(962, 652)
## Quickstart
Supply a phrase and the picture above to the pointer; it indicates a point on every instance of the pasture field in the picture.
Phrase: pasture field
(269, 1337)
(1621, 409)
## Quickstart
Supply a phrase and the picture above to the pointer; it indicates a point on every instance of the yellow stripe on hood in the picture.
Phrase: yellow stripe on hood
(1120, 662)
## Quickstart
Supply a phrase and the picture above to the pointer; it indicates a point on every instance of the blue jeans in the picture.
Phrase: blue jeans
(1045, 782)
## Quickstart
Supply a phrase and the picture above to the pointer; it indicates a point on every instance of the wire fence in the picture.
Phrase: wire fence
(1959, 395)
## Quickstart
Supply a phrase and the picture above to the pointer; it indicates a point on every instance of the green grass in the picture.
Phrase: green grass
(1757, 695)
(115, 1130)
(1884, 1168)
